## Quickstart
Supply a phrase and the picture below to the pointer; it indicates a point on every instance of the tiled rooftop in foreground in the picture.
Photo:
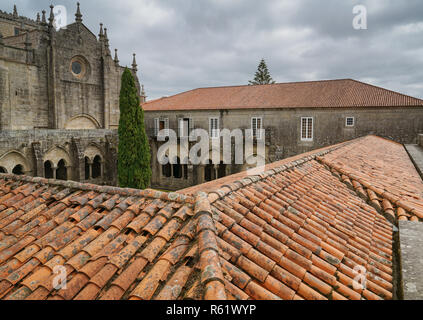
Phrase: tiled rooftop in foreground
(298, 231)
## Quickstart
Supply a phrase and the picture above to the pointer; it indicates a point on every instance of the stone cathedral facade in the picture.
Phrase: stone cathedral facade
(59, 99)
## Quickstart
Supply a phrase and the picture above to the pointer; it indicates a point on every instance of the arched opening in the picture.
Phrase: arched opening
(209, 173)
(18, 170)
(15, 162)
(3, 170)
(87, 168)
(48, 170)
(177, 169)
(96, 170)
(221, 170)
(167, 170)
(82, 122)
(62, 171)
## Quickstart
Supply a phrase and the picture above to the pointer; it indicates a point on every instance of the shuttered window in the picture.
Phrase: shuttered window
(161, 124)
(214, 129)
(184, 126)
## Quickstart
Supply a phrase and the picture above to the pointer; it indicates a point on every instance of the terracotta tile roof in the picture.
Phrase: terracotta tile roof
(381, 172)
(313, 94)
(113, 243)
(298, 231)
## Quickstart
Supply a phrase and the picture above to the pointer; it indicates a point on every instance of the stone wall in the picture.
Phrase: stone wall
(32, 148)
(8, 23)
(41, 96)
(283, 129)
(23, 102)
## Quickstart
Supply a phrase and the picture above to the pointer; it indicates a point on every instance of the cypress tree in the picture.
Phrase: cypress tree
(262, 75)
(134, 168)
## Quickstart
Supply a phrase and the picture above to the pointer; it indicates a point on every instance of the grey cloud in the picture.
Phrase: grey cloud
(185, 44)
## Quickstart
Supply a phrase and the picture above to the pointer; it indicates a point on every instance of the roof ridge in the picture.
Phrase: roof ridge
(167, 97)
(148, 193)
(219, 193)
(385, 194)
(272, 84)
(211, 270)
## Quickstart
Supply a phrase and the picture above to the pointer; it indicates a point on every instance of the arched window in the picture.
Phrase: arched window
(18, 170)
(87, 168)
(167, 170)
(62, 171)
(48, 170)
(209, 173)
(177, 169)
(96, 167)
(3, 170)
(222, 170)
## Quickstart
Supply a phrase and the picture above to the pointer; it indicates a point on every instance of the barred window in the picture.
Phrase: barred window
(350, 122)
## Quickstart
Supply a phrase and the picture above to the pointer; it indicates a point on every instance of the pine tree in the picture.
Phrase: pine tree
(262, 75)
(134, 168)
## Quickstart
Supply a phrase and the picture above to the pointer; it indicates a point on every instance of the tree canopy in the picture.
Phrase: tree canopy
(262, 75)
(134, 167)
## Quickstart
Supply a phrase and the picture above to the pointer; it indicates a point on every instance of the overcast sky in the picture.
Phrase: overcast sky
(186, 44)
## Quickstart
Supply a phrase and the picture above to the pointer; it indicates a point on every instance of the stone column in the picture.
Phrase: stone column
(54, 171)
(190, 172)
(200, 174)
(102, 162)
(228, 170)
(68, 172)
(90, 165)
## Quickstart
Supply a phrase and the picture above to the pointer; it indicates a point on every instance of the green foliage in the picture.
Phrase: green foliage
(262, 75)
(134, 168)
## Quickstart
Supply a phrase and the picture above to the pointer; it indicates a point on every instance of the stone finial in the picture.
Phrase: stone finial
(116, 57)
(38, 17)
(28, 44)
(78, 15)
(101, 34)
(51, 18)
(143, 96)
(134, 64)
(15, 11)
(106, 38)
(43, 19)
(106, 42)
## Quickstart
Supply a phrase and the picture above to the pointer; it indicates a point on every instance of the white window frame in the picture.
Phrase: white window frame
(306, 138)
(181, 128)
(346, 122)
(257, 129)
(214, 133)
(156, 126)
